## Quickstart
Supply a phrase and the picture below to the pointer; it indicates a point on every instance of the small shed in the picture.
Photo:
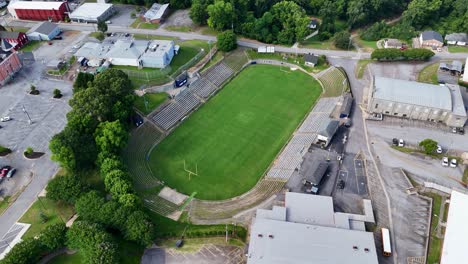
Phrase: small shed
(311, 59)
(43, 31)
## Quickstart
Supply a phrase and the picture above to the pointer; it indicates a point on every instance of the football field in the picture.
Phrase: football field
(231, 140)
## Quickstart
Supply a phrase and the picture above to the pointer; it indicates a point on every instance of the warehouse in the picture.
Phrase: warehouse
(92, 13)
(418, 101)
(456, 232)
(307, 230)
(155, 14)
(36, 10)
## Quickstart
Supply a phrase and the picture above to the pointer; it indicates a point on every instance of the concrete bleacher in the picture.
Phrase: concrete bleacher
(176, 110)
(218, 74)
(203, 88)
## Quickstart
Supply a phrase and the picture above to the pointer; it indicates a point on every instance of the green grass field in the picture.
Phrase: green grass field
(234, 137)
(153, 99)
(429, 74)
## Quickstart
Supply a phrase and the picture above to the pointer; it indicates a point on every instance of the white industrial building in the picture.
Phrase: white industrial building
(456, 232)
(307, 230)
(465, 75)
(92, 13)
(128, 52)
(43, 31)
(418, 101)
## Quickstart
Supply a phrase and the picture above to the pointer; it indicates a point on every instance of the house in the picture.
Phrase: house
(92, 13)
(460, 39)
(313, 24)
(310, 60)
(417, 101)
(16, 39)
(156, 13)
(308, 230)
(431, 39)
(392, 44)
(38, 10)
(43, 31)
(10, 64)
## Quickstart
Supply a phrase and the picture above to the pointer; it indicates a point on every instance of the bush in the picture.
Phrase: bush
(396, 54)
(132, 15)
(4, 150)
(429, 146)
(28, 151)
(342, 40)
(44, 217)
(34, 91)
(100, 36)
(227, 41)
(57, 93)
(324, 36)
(66, 188)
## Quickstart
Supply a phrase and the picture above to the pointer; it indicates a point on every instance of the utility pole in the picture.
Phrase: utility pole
(209, 44)
(226, 234)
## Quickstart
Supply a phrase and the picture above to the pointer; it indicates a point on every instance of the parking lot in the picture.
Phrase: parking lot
(398, 70)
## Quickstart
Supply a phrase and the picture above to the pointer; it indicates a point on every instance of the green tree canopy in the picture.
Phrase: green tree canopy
(102, 26)
(342, 40)
(227, 41)
(429, 146)
(65, 188)
(220, 15)
(53, 237)
(25, 252)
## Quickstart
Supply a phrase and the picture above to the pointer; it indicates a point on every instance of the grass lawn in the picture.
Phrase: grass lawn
(140, 23)
(435, 243)
(146, 36)
(4, 204)
(179, 28)
(361, 67)
(153, 99)
(55, 212)
(458, 49)
(31, 45)
(315, 43)
(234, 137)
(366, 44)
(429, 74)
(465, 176)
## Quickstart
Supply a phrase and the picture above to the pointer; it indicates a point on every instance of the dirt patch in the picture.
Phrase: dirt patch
(172, 195)
(179, 18)
(5, 152)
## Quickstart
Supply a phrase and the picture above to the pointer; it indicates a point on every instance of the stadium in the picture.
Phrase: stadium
(217, 139)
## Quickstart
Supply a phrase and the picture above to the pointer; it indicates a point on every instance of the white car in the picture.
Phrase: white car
(401, 143)
(439, 149)
(445, 162)
(5, 118)
(453, 163)
(108, 22)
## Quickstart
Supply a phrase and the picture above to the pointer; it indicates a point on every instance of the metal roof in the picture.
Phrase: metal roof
(456, 232)
(35, 5)
(415, 93)
(45, 28)
(156, 11)
(128, 49)
(330, 129)
(458, 106)
(311, 58)
(315, 173)
(429, 35)
(90, 11)
(463, 37)
(309, 209)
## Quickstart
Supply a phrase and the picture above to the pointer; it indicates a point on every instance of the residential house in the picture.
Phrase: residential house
(392, 44)
(460, 39)
(431, 39)
(43, 31)
(16, 39)
(10, 63)
(156, 13)
(313, 24)
(311, 60)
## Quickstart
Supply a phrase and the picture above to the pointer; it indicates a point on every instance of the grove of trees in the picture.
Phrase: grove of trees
(397, 54)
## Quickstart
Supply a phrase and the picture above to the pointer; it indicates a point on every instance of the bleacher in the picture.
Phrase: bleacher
(176, 110)
(202, 88)
(218, 74)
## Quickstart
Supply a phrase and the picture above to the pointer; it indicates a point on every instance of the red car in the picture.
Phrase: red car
(4, 171)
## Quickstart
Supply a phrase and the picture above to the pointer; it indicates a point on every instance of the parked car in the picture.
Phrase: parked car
(454, 130)
(341, 184)
(58, 37)
(4, 171)
(11, 173)
(445, 161)
(395, 141)
(453, 163)
(348, 123)
(108, 22)
(439, 149)
(5, 118)
(401, 143)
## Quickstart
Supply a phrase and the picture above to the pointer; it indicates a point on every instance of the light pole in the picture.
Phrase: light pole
(27, 114)
(209, 45)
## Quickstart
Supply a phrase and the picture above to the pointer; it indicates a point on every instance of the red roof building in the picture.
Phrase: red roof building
(35, 10)
(16, 39)
(10, 64)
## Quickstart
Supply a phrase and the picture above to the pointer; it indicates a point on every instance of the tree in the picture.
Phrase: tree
(28, 151)
(109, 164)
(93, 242)
(198, 12)
(67, 188)
(429, 146)
(57, 93)
(102, 26)
(342, 40)
(53, 237)
(117, 183)
(111, 137)
(82, 81)
(139, 228)
(377, 31)
(25, 252)
(227, 41)
(130, 200)
(220, 15)
(89, 206)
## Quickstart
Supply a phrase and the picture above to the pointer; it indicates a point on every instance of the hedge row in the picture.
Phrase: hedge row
(401, 55)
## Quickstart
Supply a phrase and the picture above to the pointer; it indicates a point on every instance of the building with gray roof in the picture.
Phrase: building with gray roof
(43, 31)
(156, 13)
(307, 230)
(92, 13)
(327, 131)
(431, 39)
(460, 39)
(419, 101)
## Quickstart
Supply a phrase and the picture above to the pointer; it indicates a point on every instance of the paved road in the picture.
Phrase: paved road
(241, 42)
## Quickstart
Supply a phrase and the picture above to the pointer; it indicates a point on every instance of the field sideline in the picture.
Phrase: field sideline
(234, 137)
